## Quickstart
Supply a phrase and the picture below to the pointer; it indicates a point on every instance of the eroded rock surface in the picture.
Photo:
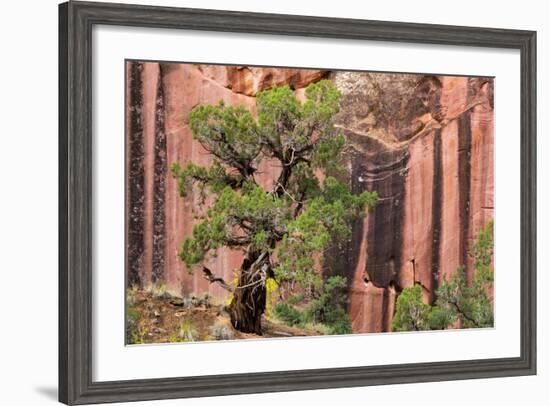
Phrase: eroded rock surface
(425, 144)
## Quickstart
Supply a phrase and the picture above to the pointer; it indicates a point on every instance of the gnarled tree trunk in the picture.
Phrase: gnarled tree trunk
(249, 298)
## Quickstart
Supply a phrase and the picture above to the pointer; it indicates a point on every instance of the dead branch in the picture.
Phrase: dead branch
(210, 277)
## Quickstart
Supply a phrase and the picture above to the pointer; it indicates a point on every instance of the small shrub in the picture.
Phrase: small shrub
(187, 331)
(327, 309)
(134, 326)
(295, 299)
(138, 335)
(221, 331)
(131, 295)
(160, 290)
(133, 315)
(287, 314)
(322, 329)
(457, 300)
(411, 313)
(439, 319)
(339, 322)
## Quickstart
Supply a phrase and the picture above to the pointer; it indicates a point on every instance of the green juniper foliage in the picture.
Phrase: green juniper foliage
(470, 303)
(411, 312)
(281, 229)
(328, 309)
(456, 300)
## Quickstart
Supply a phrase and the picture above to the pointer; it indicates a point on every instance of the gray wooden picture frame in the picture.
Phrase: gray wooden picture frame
(76, 20)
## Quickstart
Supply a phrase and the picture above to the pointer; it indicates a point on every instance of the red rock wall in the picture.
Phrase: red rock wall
(424, 143)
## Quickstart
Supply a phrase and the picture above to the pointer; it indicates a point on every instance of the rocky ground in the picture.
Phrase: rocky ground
(158, 317)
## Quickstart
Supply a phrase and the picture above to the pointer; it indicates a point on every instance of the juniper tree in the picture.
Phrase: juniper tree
(280, 230)
(469, 302)
(456, 300)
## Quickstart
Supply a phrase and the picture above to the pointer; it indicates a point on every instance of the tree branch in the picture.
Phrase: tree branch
(461, 312)
(231, 157)
(300, 205)
(229, 180)
(242, 222)
(233, 241)
(210, 277)
(286, 192)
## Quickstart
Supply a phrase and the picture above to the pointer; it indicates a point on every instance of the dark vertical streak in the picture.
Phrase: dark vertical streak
(159, 183)
(387, 178)
(385, 303)
(382, 170)
(437, 202)
(464, 172)
(135, 203)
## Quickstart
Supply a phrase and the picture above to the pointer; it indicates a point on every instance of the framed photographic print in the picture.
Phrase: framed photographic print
(259, 202)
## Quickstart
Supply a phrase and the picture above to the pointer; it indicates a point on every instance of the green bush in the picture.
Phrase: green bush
(456, 299)
(134, 326)
(411, 314)
(287, 314)
(327, 309)
(296, 298)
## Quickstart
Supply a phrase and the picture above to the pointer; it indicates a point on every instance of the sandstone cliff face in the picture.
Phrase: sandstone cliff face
(424, 143)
